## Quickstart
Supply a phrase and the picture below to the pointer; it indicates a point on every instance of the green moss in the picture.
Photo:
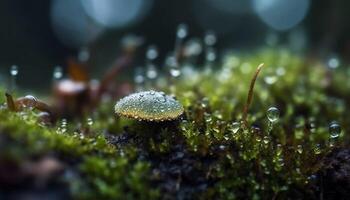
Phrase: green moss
(205, 154)
(101, 172)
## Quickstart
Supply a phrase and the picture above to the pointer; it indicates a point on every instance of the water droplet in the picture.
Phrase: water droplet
(210, 38)
(217, 114)
(14, 70)
(333, 63)
(152, 52)
(151, 72)
(334, 130)
(312, 125)
(205, 102)
(279, 149)
(234, 127)
(163, 100)
(13, 73)
(317, 148)
(280, 71)
(193, 47)
(270, 79)
(57, 73)
(62, 128)
(256, 132)
(139, 79)
(258, 139)
(182, 31)
(89, 121)
(30, 102)
(300, 149)
(266, 139)
(175, 72)
(81, 136)
(210, 55)
(207, 117)
(273, 114)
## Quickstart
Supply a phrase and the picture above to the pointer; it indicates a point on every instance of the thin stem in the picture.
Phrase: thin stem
(250, 94)
(13, 83)
(10, 102)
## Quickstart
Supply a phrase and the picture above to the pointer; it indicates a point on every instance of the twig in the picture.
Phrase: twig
(10, 102)
(250, 94)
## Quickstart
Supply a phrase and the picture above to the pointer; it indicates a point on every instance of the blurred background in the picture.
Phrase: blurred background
(39, 35)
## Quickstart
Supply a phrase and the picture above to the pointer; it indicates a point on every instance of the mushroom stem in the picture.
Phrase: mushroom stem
(250, 94)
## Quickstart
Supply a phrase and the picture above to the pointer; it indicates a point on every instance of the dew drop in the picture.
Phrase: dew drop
(152, 52)
(30, 102)
(300, 149)
(273, 114)
(14, 70)
(81, 136)
(217, 114)
(193, 47)
(90, 121)
(210, 55)
(334, 130)
(64, 121)
(205, 102)
(13, 73)
(234, 127)
(138, 76)
(256, 132)
(317, 149)
(57, 73)
(175, 72)
(62, 128)
(312, 125)
(151, 72)
(210, 38)
(270, 79)
(207, 117)
(280, 71)
(139, 79)
(266, 139)
(333, 63)
(182, 31)
(258, 139)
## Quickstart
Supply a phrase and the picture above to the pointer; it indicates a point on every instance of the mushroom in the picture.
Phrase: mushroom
(149, 106)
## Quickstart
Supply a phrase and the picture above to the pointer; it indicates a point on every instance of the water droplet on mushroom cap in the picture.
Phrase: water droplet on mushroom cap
(149, 106)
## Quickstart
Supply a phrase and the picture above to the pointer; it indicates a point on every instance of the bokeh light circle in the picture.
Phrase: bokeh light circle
(116, 13)
(71, 25)
(281, 14)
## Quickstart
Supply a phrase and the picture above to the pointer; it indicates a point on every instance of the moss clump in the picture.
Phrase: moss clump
(94, 169)
(210, 153)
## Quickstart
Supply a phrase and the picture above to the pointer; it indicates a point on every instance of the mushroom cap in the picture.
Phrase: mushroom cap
(149, 106)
